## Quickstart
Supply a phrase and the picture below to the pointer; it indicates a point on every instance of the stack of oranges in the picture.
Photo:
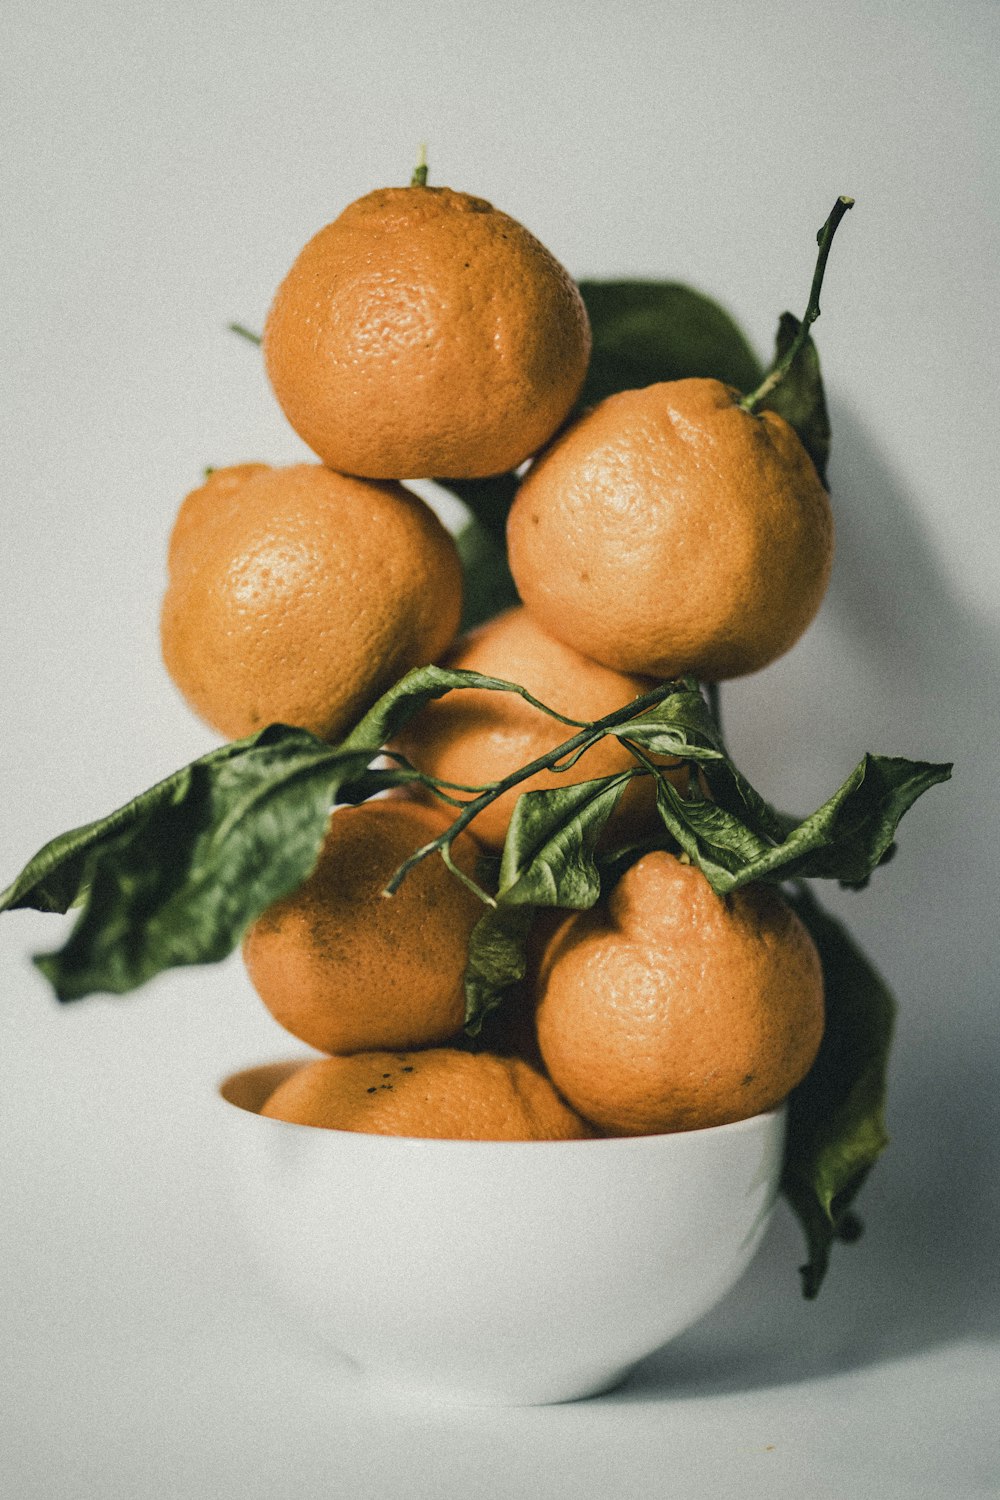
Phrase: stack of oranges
(667, 531)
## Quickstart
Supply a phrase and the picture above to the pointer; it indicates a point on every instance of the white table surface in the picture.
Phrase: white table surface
(161, 171)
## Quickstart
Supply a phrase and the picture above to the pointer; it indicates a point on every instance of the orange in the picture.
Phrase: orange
(669, 532)
(671, 1008)
(297, 596)
(423, 333)
(345, 968)
(473, 736)
(441, 1093)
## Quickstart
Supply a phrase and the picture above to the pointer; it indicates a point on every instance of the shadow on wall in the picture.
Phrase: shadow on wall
(893, 598)
(897, 664)
(932, 669)
(903, 664)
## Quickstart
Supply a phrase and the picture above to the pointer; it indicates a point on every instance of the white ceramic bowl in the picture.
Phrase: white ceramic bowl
(495, 1272)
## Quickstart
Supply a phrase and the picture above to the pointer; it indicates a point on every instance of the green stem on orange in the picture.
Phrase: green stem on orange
(244, 332)
(419, 178)
(778, 371)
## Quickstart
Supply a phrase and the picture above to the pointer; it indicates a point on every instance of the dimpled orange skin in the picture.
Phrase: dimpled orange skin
(473, 735)
(671, 1008)
(669, 532)
(219, 494)
(347, 969)
(423, 333)
(440, 1093)
(296, 595)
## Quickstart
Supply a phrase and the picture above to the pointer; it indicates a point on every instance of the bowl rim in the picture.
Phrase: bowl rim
(402, 1143)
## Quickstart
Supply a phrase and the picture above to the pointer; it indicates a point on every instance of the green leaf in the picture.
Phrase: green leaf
(497, 960)
(732, 792)
(488, 585)
(383, 721)
(717, 842)
(836, 1116)
(852, 833)
(178, 875)
(730, 838)
(548, 854)
(548, 861)
(799, 395)
(648, 331)
(680, 725)
(683, 726)
(57, 876)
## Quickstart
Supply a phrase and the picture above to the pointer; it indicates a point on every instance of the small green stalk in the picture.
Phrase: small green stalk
(419, 178)
(244, 332)
(777, 373)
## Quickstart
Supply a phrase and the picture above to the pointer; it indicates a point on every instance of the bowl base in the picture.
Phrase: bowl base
(413, 1390)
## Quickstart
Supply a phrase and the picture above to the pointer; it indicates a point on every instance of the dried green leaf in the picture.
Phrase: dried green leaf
(799, 396)
(836, 1116)
(176, 876)
(648, 331)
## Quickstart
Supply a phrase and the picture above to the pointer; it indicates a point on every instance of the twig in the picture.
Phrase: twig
(547, 762)
(778, 371)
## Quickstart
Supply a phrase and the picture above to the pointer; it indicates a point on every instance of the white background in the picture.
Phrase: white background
(162, 166)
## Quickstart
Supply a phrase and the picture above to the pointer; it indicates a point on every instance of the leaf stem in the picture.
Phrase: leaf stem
(434, 783)
(779, 370)
(466, 880)
(547, 762)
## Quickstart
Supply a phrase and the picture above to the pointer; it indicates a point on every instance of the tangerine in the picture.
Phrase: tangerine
(668, 1007)
(668, 532)
(346, 969)
(424, 333)
(298, 596)
(442, 1093)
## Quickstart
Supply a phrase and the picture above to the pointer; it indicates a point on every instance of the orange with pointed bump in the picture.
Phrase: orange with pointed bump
(668, 1007)
(670, 532)
(423, 333)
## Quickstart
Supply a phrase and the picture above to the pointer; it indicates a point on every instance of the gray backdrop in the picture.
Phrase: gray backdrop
(162, 168)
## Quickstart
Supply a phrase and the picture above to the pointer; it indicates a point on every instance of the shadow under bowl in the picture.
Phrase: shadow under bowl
(497, 1272)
